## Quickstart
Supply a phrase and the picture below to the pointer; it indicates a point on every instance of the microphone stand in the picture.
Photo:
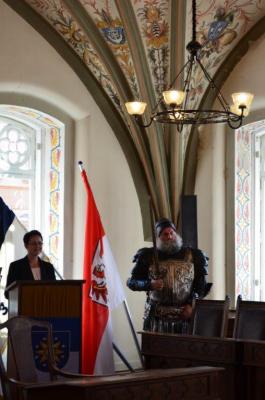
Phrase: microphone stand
(58, 273)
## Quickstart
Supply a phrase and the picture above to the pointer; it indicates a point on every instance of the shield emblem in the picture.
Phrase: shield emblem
(216, 29)
(61, 348)
(114, 35)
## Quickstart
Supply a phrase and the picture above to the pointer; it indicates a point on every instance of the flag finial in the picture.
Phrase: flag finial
(80, 164)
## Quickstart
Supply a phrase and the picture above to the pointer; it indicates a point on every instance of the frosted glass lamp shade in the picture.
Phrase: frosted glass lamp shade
(175, 97)
(242, 99)
(135, 107)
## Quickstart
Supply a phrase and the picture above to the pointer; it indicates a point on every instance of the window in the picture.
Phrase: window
(32, 180)
(19, 170)
(250, 211)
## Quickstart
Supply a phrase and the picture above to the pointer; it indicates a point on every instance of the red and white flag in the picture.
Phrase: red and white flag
(102, 292)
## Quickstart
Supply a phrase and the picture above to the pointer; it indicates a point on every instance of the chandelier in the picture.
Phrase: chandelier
(173, 106)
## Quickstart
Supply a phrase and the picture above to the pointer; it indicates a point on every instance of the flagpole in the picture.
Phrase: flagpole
(122, 357)
(129, 318)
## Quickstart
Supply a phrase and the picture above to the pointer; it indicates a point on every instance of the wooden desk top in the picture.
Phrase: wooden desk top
(200, 383)
(199, 348)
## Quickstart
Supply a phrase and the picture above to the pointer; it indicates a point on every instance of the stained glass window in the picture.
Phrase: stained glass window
(32, 181)
(250, 211)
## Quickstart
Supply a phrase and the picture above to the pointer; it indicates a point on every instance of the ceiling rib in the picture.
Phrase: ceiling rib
(156, 139)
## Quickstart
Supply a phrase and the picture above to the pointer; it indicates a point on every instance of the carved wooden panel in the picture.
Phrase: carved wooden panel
(254, 354)
(199, 388)
(190, 347)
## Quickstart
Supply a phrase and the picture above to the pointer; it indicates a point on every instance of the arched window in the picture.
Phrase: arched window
(250, 211)
(32, 179)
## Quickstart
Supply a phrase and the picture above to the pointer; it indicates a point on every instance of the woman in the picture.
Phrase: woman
(30, 267)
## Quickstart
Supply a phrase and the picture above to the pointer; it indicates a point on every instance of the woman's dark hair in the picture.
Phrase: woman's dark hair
(30, 234)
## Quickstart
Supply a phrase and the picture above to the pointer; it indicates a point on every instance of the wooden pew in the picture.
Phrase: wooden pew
(243, 360)
(176, 351)
(254, 369)
(201, 383)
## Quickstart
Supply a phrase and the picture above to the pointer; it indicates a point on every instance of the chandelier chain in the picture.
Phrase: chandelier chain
(194, 20)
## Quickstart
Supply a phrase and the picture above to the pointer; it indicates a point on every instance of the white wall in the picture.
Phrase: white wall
(32, 74)
(210, 191)
(248, 75)
(29, 65)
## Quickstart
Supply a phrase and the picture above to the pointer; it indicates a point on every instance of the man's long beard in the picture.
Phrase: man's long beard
(169, 246)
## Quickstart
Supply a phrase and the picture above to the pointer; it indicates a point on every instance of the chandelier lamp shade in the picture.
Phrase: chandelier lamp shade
(173, 105)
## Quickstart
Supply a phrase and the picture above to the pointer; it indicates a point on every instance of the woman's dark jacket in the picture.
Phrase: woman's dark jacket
(20, 271)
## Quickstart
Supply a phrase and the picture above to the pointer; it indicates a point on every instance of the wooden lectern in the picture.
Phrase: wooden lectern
(60, 303)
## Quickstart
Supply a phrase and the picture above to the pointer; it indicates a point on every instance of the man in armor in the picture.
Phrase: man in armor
(172, 276)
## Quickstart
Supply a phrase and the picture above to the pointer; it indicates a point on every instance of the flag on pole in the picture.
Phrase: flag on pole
(102, 292)
(6, 218)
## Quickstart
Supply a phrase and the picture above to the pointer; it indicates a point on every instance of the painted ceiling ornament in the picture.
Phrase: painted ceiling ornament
(222, 20)
(218, 34)
(114, 35)
(155, 32)
(156, 28)
(112, 29)
(219, 31)
(108, 21)
(99, 291)
(60, 18)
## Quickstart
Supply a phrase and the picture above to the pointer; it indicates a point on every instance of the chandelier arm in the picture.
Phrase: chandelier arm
(139, 122)
(156, 105)
(187, 82)
(221, 98)
(239, 119)
(235, 126)
(179, 74)
(189, 71)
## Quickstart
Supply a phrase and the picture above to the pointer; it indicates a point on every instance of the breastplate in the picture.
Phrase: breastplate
(178, 276)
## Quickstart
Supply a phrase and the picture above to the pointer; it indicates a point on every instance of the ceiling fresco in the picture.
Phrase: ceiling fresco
(220, 26)
(130, 48)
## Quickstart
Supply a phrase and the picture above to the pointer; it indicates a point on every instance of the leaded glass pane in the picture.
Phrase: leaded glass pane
(17, 194)
(17, 147)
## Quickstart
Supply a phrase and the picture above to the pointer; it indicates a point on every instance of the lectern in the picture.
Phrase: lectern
(60, 303)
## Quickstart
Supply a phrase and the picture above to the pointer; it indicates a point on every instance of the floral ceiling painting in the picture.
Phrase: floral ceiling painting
(221, 25)
(129, 49)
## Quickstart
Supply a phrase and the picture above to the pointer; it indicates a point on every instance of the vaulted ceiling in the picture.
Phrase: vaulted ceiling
(131, 49)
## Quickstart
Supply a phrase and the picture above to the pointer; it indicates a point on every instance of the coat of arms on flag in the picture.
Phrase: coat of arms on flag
(99, 291)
